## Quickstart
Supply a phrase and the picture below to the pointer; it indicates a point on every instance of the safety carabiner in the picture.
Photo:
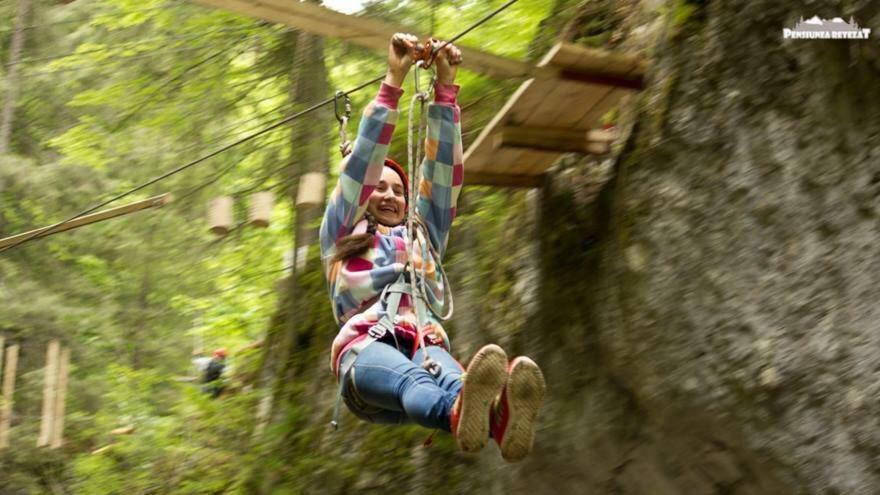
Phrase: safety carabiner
(344, 144)
(346, 107)
(420, 65)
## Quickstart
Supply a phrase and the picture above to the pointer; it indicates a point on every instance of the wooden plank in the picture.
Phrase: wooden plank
(532, 101)
(50, 383)
(103, 449)
(555, 106)
(89, 219)
(577, 58)
(572, 108)
(542, 103)
(541, 160)
(607, 135)
(593, 85)
(503, 180)
(498, 119)
(576, 63)
(58, 423)
(362, 31)
(575, 106)
(8, 394)
(612, 98)
(550, 139)
(636, 82)
(546, 87)
(628, 66)
(123, 430)
(536, 161)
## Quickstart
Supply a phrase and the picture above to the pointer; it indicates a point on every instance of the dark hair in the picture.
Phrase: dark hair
(356, 244)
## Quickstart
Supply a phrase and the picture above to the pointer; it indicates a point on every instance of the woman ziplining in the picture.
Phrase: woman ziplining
(387, 286)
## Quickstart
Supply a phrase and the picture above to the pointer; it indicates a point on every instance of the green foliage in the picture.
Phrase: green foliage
(681, 11)
(117, 92)
(182, 442)
(685, 16)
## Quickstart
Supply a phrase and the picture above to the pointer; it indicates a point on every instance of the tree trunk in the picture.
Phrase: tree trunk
(308, 85)
(309, 144)
(13, 76)
(309, 136)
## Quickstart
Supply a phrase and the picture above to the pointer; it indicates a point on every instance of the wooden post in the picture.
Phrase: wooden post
(8, 391)
(261, 209)
(594, 142)
(13, 77)
(307, 17)
(50, 383)
(311, 190)
(58, 423)
(99, 216)
(220, 215)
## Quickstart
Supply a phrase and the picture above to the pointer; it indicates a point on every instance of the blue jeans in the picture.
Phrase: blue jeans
(384, 386)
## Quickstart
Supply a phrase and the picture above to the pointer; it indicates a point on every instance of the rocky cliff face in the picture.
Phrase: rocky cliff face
(718, 331)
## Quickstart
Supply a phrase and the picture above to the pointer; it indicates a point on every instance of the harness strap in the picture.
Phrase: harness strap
(392, 295)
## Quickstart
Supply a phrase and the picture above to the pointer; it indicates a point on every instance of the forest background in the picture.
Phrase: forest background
(702, 301)
(109, 94)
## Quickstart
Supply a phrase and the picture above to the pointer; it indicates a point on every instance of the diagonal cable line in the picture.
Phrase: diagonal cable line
(238, 142)
(192, 163)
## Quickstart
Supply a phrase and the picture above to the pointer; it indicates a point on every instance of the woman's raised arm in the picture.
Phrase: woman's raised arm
(362, 169)
(442, 169)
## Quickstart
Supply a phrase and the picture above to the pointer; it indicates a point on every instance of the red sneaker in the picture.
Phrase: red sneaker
(514, 413)
(482, 381)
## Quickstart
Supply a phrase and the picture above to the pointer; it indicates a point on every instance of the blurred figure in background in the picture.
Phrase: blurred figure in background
(200, 360)
(212, 373)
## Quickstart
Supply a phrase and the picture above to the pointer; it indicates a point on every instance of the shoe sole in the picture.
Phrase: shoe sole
(525, 394)
(484, 380)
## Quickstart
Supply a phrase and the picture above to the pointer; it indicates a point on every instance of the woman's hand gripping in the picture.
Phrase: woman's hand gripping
(401, 55)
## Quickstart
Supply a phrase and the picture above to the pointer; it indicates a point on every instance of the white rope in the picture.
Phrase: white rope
(416, 229)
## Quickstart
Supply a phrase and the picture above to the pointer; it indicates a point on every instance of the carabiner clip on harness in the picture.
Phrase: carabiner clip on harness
(344, 144)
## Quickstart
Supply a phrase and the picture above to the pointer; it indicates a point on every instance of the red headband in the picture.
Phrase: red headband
(403, 177)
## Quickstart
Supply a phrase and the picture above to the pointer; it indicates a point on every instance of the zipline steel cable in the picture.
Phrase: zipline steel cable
(245, 139)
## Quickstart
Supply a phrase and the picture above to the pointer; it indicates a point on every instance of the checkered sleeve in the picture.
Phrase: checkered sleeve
(442, 169)
(361, 170)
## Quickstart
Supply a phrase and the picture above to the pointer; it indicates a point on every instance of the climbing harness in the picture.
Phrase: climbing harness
(344, 144)
(412, 282)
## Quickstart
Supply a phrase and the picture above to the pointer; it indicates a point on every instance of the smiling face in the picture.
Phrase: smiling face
(387, 204)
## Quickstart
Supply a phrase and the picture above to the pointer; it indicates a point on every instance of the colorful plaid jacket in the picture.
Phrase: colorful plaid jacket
(355, 284)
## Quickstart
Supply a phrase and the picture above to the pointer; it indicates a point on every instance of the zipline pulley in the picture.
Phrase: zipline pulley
(344, 143)
(426, 53)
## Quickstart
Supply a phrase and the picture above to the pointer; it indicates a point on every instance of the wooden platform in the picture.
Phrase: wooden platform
(555, 112)
(361, 31)
(551, 113)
